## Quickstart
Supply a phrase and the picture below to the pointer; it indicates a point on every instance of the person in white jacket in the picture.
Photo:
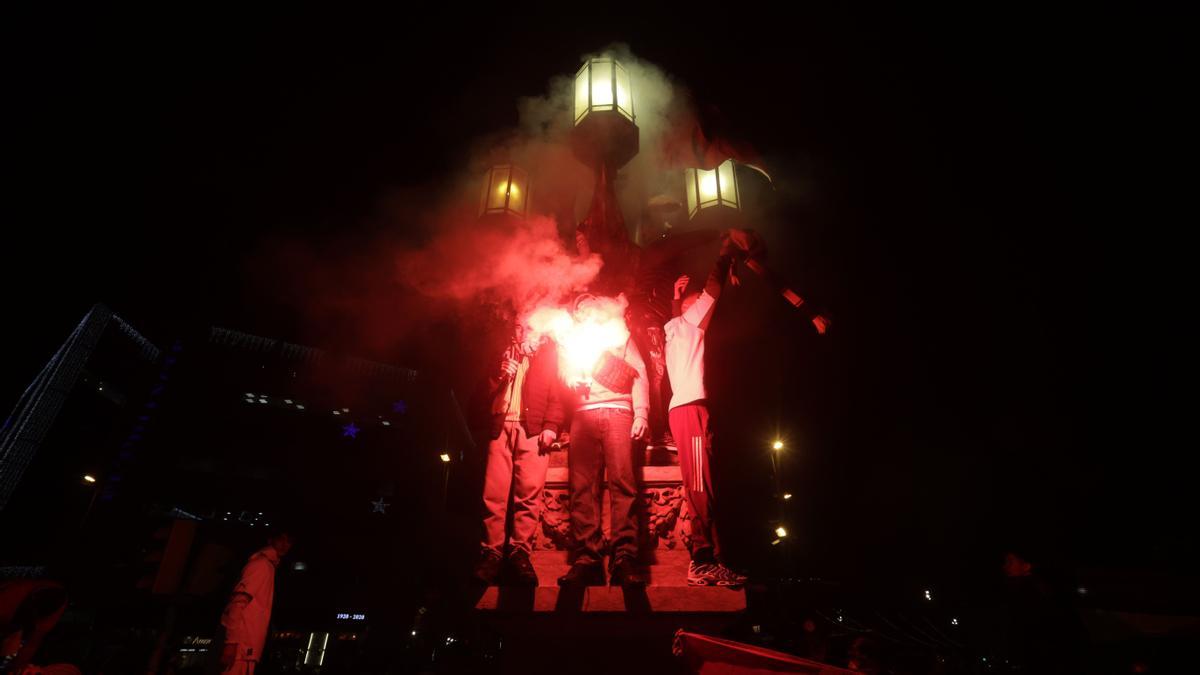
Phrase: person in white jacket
(249, 610)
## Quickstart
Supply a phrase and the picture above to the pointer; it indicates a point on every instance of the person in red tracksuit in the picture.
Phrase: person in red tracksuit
(688, 414)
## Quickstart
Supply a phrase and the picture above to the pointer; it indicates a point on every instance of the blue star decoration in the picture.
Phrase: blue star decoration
(350, 431)
(380, 506)
(399, 407)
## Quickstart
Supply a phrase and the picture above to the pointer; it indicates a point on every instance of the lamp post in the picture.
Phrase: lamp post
(605, 137)
(91, 481)
(781, 533)
(776, 449)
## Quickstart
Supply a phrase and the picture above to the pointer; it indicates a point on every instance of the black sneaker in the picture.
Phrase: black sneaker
(664, 441)
(624, 572)
(713, 574)
(487, 568)
(520, 569)
(583, 574)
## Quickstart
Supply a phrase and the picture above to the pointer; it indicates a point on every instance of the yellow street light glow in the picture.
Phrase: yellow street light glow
(602, 85)
(778, 445)
(505, 191)
(787, 495)
(89, 478)
(445, 457)
(780, 532)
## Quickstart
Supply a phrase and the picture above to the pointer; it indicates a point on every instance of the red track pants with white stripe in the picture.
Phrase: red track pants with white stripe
(689, 426)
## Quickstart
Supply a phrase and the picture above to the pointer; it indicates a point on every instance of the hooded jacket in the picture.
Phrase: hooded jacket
(249, 610)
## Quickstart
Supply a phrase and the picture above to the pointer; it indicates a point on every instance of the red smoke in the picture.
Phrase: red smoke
(515, 266)
(423, 279)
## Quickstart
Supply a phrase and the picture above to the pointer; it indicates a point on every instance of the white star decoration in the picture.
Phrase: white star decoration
(380, 506)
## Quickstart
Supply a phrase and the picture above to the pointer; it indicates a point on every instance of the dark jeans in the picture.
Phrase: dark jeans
(600, 441)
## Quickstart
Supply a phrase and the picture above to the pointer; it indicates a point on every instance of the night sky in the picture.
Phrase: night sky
(987, 203)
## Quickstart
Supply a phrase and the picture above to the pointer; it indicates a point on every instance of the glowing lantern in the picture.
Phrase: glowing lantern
(605, 131)
(712, 188)
(602, 85)
(505, 192)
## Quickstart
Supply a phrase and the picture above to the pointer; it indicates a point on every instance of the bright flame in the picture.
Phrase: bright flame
(597, 326)
(602, 88)
(508, 188)
(708, 185)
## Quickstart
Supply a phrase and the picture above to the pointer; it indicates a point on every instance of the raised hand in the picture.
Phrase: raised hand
(681, 285)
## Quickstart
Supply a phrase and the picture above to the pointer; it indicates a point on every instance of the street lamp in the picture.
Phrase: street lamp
(715, 189)
(605, 132)
(505, 192)
(89, 478)
(777, 445)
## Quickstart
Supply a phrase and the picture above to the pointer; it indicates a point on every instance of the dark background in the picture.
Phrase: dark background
(989, 204)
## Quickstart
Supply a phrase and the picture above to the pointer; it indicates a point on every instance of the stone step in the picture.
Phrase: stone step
(613, 599)
(667, 591)
(556, 476)
(667, 569)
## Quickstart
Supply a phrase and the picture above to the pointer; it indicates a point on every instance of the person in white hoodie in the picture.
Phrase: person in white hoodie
(611, 410)
(248, 613)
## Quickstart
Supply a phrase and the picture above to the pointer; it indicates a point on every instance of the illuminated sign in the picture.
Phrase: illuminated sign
(348, 616)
